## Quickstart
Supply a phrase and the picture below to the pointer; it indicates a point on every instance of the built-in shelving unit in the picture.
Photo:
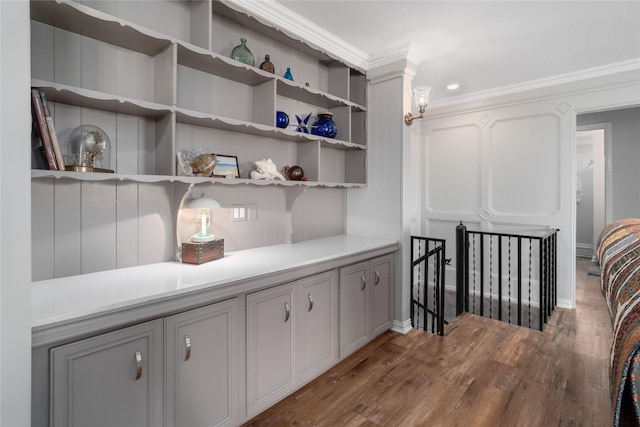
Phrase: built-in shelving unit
(116, 61)
(158, 78)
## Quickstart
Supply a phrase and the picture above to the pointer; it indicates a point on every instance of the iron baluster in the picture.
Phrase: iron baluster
(530, 282)
(473, 245)
(490, 277)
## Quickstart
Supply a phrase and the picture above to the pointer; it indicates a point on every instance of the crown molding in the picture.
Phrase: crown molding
(547, 82)
(273, 14)
(403, 52)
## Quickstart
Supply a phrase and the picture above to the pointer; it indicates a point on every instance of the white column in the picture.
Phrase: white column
(386, 208)
(15, 215)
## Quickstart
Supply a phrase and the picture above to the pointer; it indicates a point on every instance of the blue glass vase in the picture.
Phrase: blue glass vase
(325, 126)
(282, 119)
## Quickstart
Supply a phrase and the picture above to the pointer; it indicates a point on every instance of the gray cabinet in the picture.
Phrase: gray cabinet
(354, 307)
(201, 366)
(317, 324)
(292, 337)
(120, 378)
(270, 346)
(113, 379)
(366, 302)
(381, 294)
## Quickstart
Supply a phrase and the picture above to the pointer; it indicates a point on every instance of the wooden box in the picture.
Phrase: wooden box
(199, 253)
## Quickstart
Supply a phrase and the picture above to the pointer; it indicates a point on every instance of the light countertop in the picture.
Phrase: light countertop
(127, 294)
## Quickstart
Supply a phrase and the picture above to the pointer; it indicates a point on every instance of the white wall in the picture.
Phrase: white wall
(15, 222)
(509, 161)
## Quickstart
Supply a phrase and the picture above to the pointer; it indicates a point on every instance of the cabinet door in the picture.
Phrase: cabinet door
(381, 294)
(354, 307)
(317, 324)
(270, 349)
(113, 379)
(201, 368)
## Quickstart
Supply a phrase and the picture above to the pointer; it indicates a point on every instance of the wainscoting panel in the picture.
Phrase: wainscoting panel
(453, 158)
(499, 169)
(524, 168)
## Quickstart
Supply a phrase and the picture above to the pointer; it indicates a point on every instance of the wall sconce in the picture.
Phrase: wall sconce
(421, 99)
(202, 205)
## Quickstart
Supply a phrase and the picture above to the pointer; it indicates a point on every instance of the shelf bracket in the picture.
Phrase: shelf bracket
(292, 195)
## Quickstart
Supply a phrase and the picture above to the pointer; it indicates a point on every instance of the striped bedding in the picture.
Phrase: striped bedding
(619, 258)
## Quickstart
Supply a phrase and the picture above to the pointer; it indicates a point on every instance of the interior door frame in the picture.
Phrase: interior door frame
(608, 172)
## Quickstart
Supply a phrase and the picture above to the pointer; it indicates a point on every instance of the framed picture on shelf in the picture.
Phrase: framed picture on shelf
(226, 167)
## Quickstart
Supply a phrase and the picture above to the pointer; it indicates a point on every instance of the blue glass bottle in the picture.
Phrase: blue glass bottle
(287, 74)
(325, 126)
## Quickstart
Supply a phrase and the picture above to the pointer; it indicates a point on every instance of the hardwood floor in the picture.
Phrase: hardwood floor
(482, 373)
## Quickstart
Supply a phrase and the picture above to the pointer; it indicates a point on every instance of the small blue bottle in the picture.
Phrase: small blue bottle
(288, 75)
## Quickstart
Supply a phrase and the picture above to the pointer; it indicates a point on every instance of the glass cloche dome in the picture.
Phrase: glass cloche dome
(90, 149)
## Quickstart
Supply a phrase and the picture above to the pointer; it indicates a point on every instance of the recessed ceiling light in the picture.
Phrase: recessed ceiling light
(453, 86)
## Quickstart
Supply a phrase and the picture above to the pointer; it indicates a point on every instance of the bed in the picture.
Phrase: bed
(619, 259)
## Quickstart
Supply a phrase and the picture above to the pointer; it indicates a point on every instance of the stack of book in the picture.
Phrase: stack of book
(44, 131)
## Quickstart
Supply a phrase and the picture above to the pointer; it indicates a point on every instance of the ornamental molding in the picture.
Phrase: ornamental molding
(273, 14)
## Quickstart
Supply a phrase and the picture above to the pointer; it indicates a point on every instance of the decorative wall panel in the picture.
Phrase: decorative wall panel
(525, 165)
(454, 168)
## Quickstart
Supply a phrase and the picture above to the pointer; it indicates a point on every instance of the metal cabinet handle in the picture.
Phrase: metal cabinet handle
(377, 279)
(187, 344)
(287, 312)
(310, 302)
(138, 365)
(364, 283)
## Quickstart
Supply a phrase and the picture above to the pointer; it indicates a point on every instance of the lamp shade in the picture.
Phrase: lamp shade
(421, 95)
(202, 203)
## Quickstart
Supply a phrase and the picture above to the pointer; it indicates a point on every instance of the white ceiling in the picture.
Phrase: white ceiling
(484, 44)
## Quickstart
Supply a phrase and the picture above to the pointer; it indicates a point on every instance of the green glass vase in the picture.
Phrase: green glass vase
(243, 54)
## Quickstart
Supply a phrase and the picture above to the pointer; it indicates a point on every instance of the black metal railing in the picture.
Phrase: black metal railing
(427, 277)
(511, 277)
(507, 276)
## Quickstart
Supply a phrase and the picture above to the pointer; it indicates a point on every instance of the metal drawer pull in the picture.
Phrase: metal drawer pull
(138, 365)
(310, 302)
(377, 279)
(364, 283)
(187, 344)
(287, 312)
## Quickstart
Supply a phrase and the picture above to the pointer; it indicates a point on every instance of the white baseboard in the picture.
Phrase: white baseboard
(401, 326)
(564, 303)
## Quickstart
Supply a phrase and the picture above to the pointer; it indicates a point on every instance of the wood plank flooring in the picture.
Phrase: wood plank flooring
(482, 373)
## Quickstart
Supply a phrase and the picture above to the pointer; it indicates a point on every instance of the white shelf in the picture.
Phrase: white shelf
(293, 90)
(223, 123)
(96, 176)
(212, 63)
(101, 101)
(86, 21)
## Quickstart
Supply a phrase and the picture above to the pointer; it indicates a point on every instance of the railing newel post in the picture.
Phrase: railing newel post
(462, 300)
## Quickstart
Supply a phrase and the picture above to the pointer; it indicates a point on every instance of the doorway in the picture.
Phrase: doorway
(590, 188)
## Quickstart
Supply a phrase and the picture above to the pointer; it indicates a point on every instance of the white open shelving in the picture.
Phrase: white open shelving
(94, 64)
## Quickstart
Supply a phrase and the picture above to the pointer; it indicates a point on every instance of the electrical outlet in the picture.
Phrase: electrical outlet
(238, 213)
